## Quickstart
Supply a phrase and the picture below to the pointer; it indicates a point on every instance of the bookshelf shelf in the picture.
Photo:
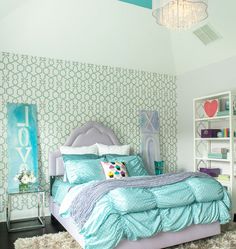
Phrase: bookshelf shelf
(213, 139)
(227, 144)
(213, 118)
(212, 159)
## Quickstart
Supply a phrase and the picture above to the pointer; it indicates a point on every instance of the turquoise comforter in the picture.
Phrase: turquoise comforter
(135, 213)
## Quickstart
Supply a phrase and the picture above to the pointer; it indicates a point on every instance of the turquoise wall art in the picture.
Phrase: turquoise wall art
(22, 143)
(150, 138)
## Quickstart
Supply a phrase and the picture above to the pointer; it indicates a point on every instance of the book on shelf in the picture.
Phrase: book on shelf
(222, 113)
(223, 177)
(216, 133)
(217, 155)
(220, 150)
(224, 104)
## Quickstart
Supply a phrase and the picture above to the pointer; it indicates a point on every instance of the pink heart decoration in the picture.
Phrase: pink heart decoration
(211, 107)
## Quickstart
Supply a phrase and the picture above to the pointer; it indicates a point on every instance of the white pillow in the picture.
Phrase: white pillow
(70, 150)
(113, 149)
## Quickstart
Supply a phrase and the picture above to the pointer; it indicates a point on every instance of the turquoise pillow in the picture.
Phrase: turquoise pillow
(71, 157)
(83, 170)
(134, 164)
(79, 157)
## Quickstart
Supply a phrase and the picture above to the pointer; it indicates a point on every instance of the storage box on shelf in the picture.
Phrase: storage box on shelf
(215, 138)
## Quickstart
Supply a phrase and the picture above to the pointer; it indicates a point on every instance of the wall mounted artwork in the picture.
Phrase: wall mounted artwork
(150, 138)
(22, 145)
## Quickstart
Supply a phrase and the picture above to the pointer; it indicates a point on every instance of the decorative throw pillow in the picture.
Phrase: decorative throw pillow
(83, 171)
(70, 159)
(113, 149)
(134, 164)
(114, 170)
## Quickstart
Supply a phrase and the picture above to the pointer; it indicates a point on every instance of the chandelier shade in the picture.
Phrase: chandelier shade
(180, 14)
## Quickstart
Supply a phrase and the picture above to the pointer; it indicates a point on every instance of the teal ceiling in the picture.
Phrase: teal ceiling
(142, 3)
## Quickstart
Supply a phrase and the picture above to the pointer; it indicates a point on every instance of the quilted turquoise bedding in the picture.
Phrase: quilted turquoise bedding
(60, 190)
(137, 212)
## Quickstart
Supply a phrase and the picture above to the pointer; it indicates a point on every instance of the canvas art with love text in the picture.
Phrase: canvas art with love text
(22, 141)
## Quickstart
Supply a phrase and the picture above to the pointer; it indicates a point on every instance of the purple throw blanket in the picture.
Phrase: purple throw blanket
(95, 191)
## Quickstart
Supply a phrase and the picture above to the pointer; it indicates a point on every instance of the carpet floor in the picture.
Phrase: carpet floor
(63, 240)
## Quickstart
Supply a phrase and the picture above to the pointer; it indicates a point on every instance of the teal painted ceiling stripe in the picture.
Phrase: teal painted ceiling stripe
(142, 3)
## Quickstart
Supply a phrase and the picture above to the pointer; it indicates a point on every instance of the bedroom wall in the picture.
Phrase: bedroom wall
(69, 94)
(208, 80)
(101, 32)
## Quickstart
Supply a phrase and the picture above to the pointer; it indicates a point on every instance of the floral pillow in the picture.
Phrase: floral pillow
(114, 170)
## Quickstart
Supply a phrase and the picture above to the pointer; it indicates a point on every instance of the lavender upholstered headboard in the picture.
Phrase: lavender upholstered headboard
(88, 134)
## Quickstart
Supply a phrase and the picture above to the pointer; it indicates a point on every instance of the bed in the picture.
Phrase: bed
(90, 134)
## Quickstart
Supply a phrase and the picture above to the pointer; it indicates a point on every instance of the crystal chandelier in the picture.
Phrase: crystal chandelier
(180, 14)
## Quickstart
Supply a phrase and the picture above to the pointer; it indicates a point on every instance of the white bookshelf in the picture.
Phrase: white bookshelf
(212, 159)
(204, 146)
(211, 119)
(213, 139)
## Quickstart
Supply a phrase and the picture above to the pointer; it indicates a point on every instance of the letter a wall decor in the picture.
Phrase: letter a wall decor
(150, 138)
(22, 141)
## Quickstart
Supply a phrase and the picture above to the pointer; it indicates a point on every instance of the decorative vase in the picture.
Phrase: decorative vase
(23, 187)
(159, 167)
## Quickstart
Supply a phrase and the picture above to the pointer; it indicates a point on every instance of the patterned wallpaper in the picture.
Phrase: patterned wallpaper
(69, 94)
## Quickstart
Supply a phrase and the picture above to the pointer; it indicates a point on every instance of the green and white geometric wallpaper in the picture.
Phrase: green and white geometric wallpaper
(69, 94)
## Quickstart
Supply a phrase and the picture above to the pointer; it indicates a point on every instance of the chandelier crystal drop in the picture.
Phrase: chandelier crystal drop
(180, 14)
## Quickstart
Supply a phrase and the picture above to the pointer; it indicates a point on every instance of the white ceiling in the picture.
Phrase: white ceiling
(190, 54)
(113, 33)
